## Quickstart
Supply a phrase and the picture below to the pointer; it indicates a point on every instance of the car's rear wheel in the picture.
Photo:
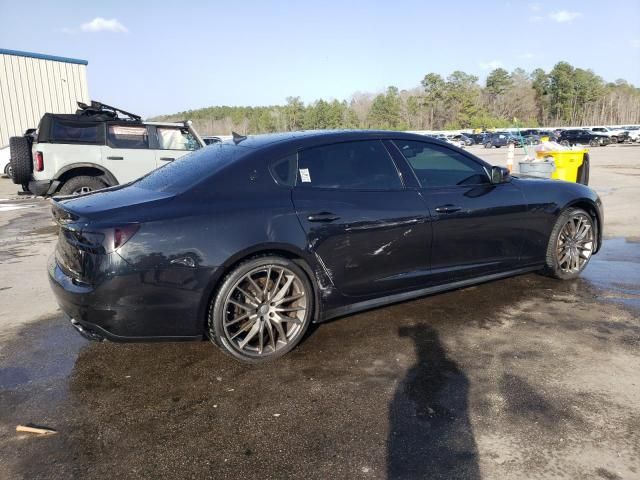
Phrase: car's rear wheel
(8, 171)
(81, 184)
(487, 145)
(262, 310)
(571, 244)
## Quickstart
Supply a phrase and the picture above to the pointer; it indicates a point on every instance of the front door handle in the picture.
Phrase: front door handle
(167, 159)
(115, 158)
(322, 217)
(448, 209)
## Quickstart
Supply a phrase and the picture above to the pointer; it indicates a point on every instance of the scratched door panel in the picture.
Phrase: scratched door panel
(380, 241)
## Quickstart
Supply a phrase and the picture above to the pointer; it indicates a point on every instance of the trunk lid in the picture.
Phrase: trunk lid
(87, 224)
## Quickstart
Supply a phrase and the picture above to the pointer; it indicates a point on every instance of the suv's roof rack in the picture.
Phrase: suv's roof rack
(97, 108)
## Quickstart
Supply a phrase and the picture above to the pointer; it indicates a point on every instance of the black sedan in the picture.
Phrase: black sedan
(583, 137)
(247, 242)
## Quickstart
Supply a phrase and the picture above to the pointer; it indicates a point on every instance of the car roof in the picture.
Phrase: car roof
(303, 137)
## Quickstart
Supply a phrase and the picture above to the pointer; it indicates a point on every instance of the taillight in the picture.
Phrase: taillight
(39, 161)
(121, 235)
(106, 240)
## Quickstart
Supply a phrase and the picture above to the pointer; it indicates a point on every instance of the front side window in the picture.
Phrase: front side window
(170, 138)
(123, 136)
(364, 165)
(437, 166)
(72, 132)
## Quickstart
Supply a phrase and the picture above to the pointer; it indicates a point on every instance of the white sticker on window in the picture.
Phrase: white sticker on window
(304, 175)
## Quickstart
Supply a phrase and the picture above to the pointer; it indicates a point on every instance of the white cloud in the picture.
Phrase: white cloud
(536, 18)
(492, 65)
(535, 7)
(564, 16)
(98, 24)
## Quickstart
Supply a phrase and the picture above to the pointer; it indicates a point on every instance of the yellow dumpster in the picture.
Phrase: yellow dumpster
(571, 165)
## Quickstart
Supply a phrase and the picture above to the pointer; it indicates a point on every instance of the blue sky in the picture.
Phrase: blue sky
(162, 57)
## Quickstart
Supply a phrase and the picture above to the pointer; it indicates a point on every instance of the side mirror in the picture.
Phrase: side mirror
(500, 175)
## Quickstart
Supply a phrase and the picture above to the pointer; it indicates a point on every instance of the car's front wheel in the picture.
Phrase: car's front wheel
(571, 244)
(262, 309)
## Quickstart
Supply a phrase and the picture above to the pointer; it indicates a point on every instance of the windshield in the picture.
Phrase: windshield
(187, 171)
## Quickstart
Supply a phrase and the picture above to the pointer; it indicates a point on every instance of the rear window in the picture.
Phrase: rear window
(124, 136)
(185, 172)
(72, 132)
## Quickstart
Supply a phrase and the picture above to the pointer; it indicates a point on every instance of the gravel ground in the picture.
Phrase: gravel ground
(521, 378)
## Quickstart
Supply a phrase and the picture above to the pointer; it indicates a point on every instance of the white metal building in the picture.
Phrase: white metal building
(32, 84)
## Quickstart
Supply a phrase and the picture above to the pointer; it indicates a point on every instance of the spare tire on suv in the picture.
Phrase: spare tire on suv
(20, 159)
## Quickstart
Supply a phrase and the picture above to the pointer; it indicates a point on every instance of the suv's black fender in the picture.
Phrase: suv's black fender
(83, 169)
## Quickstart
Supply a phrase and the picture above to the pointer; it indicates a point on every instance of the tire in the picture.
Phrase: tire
(81, 184)
(564, 143)
(593, 143)
(20, 159)
(498, 146)
(487, 145)
(554, 264)
(238, 297)
(583, 170)
(8, 170)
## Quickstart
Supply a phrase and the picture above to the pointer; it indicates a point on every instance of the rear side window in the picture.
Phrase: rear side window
(72, 132)
(364, 165)
(176, 139)
(123, 136)
(284, 170)
(437, 166)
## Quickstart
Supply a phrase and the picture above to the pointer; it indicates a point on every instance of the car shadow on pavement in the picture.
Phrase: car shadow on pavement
(430, 435)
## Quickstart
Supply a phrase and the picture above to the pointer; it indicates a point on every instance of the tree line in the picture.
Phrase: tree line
(564, 96)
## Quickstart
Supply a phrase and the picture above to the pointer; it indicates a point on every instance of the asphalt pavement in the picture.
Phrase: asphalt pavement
(527, 377)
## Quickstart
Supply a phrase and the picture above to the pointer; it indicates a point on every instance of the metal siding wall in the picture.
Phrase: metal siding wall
(30, 87)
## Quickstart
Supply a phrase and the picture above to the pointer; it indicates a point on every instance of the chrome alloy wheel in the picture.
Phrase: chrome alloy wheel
(575, 243)
(264, 311)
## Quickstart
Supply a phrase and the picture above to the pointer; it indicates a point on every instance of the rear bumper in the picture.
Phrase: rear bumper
(127, 307)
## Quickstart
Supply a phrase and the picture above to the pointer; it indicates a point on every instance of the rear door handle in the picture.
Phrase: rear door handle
(167, 159)
(448, 209)
(322, 217)
(115, 158)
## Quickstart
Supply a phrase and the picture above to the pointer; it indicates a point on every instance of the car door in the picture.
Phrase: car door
(478, 227)
(369, 233)
(171, 143)
(126, 153)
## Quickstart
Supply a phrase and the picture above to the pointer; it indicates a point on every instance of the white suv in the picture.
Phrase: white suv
(97, 147)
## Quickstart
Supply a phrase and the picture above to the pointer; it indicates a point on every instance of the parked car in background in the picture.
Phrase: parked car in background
(468, 141)
(478, 138)
(633, 133)
(449, 139)
(248, 242)
(97, 147)
(583, 137)
(615, 134)
(497, 140)
(5, 164)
